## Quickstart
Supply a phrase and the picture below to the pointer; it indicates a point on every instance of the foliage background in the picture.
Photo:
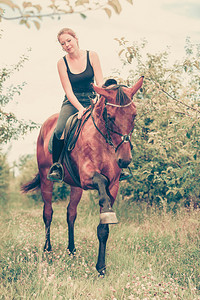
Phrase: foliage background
(166, 158)
(166, 138)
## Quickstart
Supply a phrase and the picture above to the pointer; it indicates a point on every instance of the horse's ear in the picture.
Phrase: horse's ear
(108, 94)
(136, 87)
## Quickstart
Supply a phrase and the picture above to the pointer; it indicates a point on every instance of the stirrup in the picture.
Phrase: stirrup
(125, 175)
(56, 172)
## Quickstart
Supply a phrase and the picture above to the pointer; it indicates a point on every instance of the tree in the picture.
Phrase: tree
(28, 11)
(166, 152)
(11, 127)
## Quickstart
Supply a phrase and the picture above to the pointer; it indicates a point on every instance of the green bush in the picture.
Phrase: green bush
(11, 127)
(166, 138)
(28, 169)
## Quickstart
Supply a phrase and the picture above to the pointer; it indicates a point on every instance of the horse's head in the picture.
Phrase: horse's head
(115, 114)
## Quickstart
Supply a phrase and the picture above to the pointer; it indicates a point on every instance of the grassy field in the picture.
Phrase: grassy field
(149, 255)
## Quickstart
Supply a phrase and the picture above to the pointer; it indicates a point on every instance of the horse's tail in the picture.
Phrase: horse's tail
(31, 185)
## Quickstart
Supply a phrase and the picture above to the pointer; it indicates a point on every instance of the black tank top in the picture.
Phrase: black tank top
(81, 82)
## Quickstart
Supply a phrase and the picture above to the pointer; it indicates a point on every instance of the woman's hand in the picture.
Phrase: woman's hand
(81, 112)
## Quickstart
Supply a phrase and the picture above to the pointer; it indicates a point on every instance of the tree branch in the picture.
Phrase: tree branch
(170, 96)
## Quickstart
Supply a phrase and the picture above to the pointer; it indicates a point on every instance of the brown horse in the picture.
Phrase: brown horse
(103, 147)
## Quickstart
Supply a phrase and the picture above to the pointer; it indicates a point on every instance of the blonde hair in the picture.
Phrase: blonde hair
(68, 31)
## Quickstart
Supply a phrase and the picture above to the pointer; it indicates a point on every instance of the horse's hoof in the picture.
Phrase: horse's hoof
(102, 272)
(47, 249)
(71, 252)
(108, 218)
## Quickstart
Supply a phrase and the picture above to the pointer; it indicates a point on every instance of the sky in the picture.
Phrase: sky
(161, 22)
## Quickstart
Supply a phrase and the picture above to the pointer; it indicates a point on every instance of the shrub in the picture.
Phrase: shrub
(167, 132)
(28, 169)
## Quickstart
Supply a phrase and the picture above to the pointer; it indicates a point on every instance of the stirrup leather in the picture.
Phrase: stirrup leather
(56, 172)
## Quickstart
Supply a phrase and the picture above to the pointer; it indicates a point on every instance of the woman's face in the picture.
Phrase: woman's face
(68, 42)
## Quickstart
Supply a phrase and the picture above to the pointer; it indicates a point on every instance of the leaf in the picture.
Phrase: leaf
(27, 24)
(9, 3)
(188, 135)
(170, 191)
(108, 11)
(22, 22)
(197, 65)
(129, 57)
(27, 4)
(120, 52)
(38, 7)
(83, 15)
(37, 24)
(81, 2)
(115, 5)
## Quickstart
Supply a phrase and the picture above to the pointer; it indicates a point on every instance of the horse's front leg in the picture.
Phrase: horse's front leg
(46, 191)
(107, 215)
(75, 197)
(102, 234)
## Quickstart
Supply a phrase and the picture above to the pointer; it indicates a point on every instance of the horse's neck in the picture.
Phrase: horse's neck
(99, 107)
(97, 115)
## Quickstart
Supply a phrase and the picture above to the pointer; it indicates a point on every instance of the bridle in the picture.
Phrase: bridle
(125, 138)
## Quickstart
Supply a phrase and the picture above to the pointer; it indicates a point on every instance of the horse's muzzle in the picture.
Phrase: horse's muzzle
(122, 163)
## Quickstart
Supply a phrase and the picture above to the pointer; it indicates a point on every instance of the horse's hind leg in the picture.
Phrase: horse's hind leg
(46, 191)
(107, 215)
(75, 197)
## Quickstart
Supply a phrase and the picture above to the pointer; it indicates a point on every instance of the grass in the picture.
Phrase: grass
(150, 255)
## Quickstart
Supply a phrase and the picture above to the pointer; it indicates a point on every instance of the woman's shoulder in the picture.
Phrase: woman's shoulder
(92, 53)
(93, 56)
(61, 62)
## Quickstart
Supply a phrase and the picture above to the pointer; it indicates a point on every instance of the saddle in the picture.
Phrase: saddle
(69, 133)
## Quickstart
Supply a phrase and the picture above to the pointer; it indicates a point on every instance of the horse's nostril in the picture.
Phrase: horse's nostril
(123, 163)
(119, 162)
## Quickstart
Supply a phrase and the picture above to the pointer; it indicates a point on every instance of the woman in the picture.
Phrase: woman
(77, 71)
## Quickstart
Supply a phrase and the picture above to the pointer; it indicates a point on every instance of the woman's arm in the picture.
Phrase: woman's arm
(95, 62)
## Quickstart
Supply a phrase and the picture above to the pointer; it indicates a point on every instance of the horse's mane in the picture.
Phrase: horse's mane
(121, 97)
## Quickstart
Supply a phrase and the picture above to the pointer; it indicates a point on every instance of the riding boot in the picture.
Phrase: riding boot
(56, 172)
(125, 175)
